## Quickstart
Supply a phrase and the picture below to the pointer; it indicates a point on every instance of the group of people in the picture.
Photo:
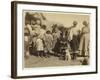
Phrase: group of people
(66, 43)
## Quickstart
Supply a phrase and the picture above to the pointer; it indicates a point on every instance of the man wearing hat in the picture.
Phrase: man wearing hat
(73, 39)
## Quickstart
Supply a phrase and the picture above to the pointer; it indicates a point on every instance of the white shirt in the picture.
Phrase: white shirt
(73, 31)
(26, 39)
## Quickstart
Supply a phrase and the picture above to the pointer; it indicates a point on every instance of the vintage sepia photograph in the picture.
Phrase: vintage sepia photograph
(49, 39)
(56, 39)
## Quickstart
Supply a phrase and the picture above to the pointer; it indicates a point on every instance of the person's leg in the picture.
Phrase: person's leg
(73, 56)
(45, 53)
(60, 55)
(86, 50)
(64, 55)
(81, 46)
(86, 53)
(48, 54)
(42, 54)
(27, 54)
(68, 54)
(27, 51)
(38, 53)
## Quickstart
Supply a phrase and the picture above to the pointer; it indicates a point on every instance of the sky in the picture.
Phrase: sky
(67, 18)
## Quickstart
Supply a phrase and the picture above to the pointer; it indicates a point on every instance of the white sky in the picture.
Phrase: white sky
(67, 18)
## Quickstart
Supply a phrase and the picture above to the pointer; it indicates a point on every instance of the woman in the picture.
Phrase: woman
(84, 42)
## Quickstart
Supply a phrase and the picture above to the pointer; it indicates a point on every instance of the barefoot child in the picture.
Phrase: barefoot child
(39, 47)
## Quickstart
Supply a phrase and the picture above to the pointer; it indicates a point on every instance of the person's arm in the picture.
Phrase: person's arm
(70, 36)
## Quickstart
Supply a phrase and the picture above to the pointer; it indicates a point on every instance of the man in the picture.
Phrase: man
(73, 39)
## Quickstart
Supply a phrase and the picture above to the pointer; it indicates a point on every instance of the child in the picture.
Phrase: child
(48, 43)
(39, 47)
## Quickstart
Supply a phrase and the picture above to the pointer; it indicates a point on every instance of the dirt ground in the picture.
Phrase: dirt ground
(34, 61)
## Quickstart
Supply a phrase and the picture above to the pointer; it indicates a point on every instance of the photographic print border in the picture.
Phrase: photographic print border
(14, 38)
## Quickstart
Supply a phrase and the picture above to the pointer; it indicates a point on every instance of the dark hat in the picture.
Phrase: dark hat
(85, 23)
(75, 22)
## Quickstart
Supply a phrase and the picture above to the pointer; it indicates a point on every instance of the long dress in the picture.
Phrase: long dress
(39, 45)
(48, 42)
(84, 42)
(56, 36)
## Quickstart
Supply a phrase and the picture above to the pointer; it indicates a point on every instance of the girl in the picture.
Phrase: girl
(48, 42)
(39, 47)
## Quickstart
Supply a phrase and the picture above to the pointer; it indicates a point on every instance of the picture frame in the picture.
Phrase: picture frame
(18, 11)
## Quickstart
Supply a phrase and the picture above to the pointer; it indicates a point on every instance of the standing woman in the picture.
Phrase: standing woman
(84, 42)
